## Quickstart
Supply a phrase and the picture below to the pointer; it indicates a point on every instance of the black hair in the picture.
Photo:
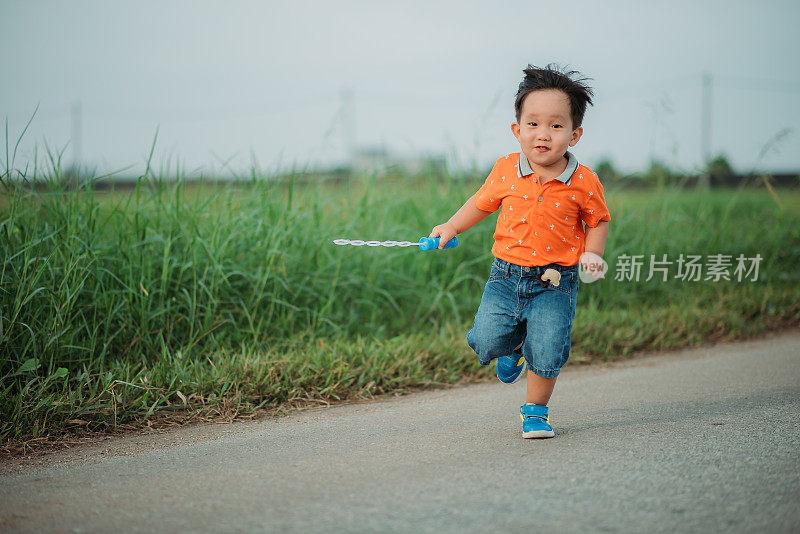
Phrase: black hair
(571, 82)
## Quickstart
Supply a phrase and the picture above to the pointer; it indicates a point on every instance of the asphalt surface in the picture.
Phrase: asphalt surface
(705, 440)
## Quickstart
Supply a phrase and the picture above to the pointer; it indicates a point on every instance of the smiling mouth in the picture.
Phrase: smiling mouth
(541, 148)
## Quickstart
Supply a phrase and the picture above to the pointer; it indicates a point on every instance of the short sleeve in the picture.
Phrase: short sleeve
(489, 195)
(594, 209)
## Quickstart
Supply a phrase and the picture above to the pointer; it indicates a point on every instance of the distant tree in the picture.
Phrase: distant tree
(659, 173)
(606, 171)
(719, 167)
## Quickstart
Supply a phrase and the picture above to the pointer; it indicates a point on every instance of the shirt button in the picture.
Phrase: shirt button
(541, 198)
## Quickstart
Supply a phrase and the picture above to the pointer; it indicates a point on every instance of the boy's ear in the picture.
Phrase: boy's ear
(576, 135)
(515, 130)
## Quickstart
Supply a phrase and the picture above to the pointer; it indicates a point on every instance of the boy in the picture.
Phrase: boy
(545, 197)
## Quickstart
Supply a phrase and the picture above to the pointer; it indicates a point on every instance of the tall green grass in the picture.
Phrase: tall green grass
(176, 298)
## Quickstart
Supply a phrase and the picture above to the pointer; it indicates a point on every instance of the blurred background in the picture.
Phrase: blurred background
(223, 88)
(207, 284)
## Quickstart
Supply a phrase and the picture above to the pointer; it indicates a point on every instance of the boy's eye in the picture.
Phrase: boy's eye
(557, 126)
(531, 124)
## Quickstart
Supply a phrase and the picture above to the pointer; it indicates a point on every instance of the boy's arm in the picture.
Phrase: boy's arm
(465, 218)
(596, 238)
(592, 258)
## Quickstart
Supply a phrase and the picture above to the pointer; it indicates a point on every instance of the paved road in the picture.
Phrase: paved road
(705, 440)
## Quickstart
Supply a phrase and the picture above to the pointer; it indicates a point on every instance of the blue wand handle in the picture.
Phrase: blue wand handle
(432, 243)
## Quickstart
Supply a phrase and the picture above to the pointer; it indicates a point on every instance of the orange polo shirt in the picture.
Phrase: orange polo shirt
(540, 223)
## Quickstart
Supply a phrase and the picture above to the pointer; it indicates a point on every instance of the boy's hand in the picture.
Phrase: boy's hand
(445, 232)
(465, 218)
(593, 265)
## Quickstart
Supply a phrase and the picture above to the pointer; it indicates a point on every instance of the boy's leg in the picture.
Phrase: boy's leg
(539, 389)
(496, 329)
(549, 319)
(549, 316)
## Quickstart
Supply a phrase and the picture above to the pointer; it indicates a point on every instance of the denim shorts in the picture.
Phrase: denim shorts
(516, 308)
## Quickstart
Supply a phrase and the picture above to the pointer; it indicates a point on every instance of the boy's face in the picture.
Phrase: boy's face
(545, 129)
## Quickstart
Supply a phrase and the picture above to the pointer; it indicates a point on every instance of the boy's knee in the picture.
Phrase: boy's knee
(485, 346)
(547, 359)
(544, 373)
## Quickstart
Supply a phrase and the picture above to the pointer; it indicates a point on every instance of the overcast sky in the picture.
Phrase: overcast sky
(241, 81)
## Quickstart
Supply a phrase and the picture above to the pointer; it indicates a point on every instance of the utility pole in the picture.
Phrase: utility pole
(77, 136)
(705, 128)
(349, 122)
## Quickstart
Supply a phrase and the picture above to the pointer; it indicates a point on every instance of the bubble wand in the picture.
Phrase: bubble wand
(432, 243)
(425, 243)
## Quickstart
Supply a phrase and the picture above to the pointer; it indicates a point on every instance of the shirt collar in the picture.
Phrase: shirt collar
(524, 168)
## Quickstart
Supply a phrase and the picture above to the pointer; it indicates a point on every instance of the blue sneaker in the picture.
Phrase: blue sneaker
(509, 368)
(535, 422)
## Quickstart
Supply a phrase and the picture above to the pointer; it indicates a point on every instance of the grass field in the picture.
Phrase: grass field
(174, 302)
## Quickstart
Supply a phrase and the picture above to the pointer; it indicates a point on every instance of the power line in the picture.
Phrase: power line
(759, 84)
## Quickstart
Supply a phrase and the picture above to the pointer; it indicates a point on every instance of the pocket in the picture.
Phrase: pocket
(567, 282)
(497, 274)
